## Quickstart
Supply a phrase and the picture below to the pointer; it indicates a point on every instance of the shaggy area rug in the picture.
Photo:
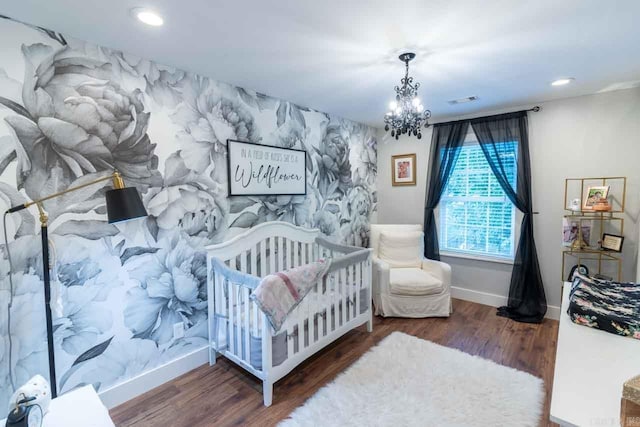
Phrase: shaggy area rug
(407, 381)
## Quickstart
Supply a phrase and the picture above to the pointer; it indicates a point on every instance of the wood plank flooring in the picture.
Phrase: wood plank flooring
(225, 395)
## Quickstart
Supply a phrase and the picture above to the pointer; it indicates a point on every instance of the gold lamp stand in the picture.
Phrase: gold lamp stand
(121, 205)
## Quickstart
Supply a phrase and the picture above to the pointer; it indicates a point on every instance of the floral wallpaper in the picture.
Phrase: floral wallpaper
(71, 112)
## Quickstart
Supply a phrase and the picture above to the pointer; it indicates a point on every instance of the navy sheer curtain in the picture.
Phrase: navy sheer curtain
(446, 141)
(527, 301)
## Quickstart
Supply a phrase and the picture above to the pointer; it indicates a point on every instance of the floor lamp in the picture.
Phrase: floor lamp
(123, 203)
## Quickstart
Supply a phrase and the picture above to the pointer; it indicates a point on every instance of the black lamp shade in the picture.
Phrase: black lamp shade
(124, 204)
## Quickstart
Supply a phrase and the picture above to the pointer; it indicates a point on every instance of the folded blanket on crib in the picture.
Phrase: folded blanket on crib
(278, 294)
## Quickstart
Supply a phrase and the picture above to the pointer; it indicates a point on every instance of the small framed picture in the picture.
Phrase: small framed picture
(594, 194)
(612, 242)
(403, 168)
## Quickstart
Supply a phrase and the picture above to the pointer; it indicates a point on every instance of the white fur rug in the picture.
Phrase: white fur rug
(407, 381)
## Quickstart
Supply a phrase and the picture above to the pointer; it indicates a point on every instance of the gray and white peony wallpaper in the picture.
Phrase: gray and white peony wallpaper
(71, 111)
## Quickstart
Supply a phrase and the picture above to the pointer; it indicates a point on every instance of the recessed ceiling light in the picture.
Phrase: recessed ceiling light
(147, 16)
(562, 82)
(463, 100)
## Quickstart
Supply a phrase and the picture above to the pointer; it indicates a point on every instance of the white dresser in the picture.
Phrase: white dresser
(591, 366)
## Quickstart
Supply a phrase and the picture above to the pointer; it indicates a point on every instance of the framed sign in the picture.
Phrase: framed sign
(261, 170)
(612, 242)
(403, 169)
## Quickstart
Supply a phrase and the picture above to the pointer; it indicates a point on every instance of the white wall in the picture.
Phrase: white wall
(595, 135)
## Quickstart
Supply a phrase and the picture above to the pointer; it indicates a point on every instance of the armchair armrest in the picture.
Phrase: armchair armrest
(439, 269)
(380, 275)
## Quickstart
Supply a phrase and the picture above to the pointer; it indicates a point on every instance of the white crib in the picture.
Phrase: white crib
(240, 331)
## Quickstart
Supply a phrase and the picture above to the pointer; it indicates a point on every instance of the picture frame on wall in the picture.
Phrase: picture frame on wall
(403, 169)
(593, 196)
(612, 242)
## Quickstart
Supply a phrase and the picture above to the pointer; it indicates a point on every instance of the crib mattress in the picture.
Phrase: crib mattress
(279, 344)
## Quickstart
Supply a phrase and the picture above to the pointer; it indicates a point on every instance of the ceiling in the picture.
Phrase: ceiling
(341, 56)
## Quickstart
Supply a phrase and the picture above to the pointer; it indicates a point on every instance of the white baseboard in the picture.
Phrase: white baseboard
(553, 312)
(142, 383)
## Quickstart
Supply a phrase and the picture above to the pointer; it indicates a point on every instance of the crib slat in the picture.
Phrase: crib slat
(231, 312)
(289, 249)
(357, 288)
(247, 324)
(301, 315)
(290, 338)
(272, 255)
(219, 307)
(254, 261)
(238, 294)
(311, 313)
(296, 253)
(280, 265)
(347, 293)
(256, 320)
(243, 261)
(342, 296)
(332, 313)
(263, 258)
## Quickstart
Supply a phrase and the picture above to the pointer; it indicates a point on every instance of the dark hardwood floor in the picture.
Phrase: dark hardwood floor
(225, 395)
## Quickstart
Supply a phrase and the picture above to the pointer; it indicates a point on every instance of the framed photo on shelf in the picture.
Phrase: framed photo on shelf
(403, 169)
(594, 194)
(612, 242)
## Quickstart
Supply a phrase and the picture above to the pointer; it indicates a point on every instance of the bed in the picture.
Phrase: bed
(239, 331)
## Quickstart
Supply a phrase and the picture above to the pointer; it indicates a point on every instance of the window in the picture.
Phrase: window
(476, 217)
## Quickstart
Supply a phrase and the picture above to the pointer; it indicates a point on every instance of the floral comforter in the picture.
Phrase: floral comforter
(611, 306)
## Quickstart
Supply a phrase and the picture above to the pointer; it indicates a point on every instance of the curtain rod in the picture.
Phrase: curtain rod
(534, 109)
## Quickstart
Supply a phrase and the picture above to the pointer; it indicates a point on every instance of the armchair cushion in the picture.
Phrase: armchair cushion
(414, 282)
(401, 249)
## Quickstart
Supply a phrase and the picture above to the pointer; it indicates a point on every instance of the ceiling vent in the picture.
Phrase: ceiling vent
(463, 100)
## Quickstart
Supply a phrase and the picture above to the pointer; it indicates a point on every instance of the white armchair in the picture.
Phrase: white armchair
(405, 284)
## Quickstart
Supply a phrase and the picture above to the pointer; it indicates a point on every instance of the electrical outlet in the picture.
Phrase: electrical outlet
(178, 330)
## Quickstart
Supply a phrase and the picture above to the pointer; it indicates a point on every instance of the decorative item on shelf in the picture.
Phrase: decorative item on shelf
(25, 414)
(602, 205)
(578, 268)
(594, 195)
(576, 234)
(612, 242)
(29, 403)
(576, 205)
(403, 168)
(123, 203)
(406, 115)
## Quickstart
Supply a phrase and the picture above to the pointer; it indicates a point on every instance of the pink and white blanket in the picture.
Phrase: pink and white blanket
(278, 294)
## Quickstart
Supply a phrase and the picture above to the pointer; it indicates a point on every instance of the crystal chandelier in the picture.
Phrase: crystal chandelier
(406, 115)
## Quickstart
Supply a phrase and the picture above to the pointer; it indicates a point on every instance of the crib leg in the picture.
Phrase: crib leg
(267, 392)
(370, 323)
(212, 356)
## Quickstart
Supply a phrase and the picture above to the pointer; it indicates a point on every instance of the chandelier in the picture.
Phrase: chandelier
(406, 115)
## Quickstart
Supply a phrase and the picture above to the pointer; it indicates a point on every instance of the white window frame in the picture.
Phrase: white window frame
(516, 219)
